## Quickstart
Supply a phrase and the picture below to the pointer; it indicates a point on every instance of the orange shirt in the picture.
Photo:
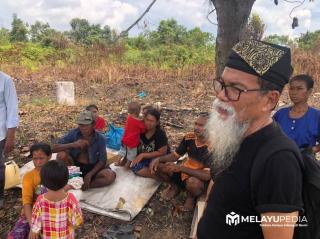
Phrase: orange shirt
(199, 156)
(192, 164)
(30, 186)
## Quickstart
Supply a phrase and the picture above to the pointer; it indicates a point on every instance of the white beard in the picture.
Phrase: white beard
(225, 136)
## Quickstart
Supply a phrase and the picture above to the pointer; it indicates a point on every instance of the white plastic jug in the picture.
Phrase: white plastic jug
(12, 174)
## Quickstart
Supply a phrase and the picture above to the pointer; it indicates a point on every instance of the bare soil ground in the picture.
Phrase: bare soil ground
(41, 117)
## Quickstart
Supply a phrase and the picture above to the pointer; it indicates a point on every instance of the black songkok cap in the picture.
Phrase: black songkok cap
(268, 61)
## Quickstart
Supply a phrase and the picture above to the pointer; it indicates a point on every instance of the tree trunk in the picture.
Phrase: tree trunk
(232, 18)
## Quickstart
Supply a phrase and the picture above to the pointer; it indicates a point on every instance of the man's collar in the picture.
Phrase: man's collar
(95, 133)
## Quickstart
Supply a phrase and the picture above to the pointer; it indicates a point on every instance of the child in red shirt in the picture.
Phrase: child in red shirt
(131, 138)
(101, 125)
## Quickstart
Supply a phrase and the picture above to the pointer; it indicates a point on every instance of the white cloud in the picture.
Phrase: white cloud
(59, 13)
(278, 21)
(46, 4)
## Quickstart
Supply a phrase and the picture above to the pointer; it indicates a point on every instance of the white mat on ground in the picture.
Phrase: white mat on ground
(136, 192)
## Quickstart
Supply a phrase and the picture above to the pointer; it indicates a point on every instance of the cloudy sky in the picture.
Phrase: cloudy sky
(121, 13)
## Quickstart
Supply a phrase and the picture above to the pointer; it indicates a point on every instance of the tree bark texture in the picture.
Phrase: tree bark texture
(232, 16)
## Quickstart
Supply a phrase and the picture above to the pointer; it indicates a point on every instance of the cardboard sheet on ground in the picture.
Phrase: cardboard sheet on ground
(123, 200)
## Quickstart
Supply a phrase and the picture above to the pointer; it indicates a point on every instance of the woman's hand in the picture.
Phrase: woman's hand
(154, 165)
(137, 160)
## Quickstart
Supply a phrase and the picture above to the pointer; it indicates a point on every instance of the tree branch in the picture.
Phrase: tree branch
(213, 2)
(123, 33)
(208, 16)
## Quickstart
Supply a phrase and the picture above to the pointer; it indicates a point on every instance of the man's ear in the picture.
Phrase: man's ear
(271, 100)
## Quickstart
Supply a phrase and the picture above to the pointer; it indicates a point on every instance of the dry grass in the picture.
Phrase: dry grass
(308, 62)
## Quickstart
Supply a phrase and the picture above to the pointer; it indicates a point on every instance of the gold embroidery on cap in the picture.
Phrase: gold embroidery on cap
(259, 56)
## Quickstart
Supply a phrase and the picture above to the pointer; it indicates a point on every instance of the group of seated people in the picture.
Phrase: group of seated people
(84, 147)
(145, 151)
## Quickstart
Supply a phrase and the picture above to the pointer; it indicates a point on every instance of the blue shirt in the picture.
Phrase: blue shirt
(305, 131)
(96, 151)
(9, 117)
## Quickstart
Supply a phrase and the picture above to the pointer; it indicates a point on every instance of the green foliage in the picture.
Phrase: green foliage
(5, 56)
(34, 55)
(4, 36)
(29, 64)
(35, 52)
(170, 32)
(166, 56)
(309, 40)
(283, 40)
(198, 38)
(29, 55)
(84, 33)
(255, 28)
(140, 42)
(38, 31)
(55, 39)
(171, 45)
(19, 30)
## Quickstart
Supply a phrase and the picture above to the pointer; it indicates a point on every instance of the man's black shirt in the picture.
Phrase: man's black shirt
(279, 190)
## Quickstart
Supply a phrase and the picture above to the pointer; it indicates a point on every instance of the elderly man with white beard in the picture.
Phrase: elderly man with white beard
(240, 126)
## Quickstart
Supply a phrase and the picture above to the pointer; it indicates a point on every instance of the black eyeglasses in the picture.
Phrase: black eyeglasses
(232, 92)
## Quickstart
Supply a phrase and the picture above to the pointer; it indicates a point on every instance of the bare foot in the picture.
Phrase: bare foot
(188, 205)
(170, 192)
